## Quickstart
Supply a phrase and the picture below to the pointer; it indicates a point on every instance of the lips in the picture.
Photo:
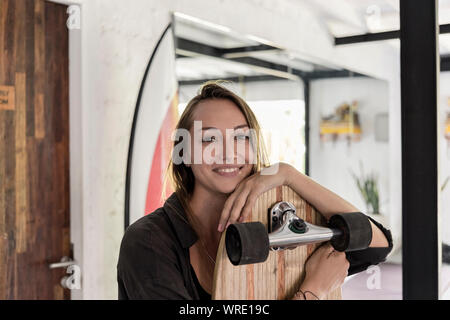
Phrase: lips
(228, 170)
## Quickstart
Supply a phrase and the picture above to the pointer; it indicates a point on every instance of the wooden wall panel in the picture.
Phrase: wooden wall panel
(34, 150)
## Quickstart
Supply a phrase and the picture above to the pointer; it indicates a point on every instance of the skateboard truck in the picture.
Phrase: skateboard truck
(285, 228)
(250, 242)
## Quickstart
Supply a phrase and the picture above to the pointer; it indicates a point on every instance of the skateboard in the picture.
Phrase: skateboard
(264, 257)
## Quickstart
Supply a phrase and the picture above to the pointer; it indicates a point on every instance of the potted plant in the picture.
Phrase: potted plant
(445, 183)
(368, 188)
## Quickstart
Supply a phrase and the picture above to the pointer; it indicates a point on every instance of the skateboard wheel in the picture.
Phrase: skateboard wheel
(247, 243)
(356, 232)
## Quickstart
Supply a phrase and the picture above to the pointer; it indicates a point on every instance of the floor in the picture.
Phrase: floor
(384, 282)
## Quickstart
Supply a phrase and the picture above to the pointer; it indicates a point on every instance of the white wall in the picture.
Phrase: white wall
(331, 162)
(117, 38)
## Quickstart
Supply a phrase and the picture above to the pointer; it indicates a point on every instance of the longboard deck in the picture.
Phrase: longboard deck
(279, 277)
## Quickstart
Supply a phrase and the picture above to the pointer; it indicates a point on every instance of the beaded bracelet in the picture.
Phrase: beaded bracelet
(304, 294)
(300, 291)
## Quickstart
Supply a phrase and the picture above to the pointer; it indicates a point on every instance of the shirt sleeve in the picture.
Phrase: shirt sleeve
(360, 260)
(148, 269)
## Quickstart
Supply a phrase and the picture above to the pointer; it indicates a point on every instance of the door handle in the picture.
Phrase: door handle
(71, 281)
(64, 263)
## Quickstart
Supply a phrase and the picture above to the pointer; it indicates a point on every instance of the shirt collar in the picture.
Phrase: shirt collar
(177, 215)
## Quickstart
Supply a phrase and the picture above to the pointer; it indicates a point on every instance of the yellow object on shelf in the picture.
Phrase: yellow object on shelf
(344, 122)
(447, 123)
(339, 128)
(447, 128)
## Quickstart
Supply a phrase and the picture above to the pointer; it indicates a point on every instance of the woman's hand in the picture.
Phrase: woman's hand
(240, 203)
(325, 271)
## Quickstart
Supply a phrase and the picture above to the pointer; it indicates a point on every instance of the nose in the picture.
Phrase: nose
(228, 150)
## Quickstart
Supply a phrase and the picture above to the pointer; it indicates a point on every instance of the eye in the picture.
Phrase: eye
(242, 136)
(209, 139)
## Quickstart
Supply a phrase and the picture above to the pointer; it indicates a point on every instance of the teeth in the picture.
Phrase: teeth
(227, 170)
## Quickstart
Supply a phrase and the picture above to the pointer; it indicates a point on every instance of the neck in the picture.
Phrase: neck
(206, 208)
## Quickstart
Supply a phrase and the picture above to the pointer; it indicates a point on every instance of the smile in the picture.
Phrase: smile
(228, 171)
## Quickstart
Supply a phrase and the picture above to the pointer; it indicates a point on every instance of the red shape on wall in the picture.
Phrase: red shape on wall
(161, 158)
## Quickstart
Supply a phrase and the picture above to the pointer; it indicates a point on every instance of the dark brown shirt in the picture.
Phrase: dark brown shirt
(154, 258)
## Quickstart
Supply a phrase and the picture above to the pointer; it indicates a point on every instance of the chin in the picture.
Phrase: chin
(226, 189)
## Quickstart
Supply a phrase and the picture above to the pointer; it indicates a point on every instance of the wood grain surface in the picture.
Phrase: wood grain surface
(34, 149)
(279, 277)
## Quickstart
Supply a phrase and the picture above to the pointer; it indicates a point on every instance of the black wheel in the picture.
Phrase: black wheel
(247, 243)
(356, 232)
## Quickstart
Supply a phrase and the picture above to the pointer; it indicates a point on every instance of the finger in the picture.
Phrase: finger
(237, 206)
(246, 211)
(327, 247)
(226, 212)
(347, 264)
(255, 190)
(333, 253)
(322, 249)
(339, 254)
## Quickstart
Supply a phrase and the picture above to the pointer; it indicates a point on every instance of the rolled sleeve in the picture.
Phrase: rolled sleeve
(360, 260)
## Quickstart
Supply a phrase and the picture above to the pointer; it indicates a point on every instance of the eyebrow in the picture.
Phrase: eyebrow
(237, 127)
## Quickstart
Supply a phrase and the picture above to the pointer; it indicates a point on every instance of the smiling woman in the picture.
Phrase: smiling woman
(213, 114)
(169, 254)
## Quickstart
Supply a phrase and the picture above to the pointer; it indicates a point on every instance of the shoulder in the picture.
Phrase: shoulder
(147, 230)
(149, 237)
(146, 224)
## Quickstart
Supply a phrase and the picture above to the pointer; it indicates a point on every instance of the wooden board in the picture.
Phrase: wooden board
(279, 277)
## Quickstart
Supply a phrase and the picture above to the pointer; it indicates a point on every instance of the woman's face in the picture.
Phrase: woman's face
(223, 139)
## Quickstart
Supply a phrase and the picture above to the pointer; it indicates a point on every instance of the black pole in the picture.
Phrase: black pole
(419, 101)
(307, 127)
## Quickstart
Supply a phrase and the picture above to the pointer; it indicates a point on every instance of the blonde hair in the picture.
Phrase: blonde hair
(179, 175)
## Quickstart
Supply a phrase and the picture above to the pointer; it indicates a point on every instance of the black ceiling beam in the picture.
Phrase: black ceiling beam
(444, 28)
(327, 74)
(445, 63)
(203, 49)
(233, 79)
(379, 36)
(263, 64)
(306, 78)
(247, 49)
(367, 37)
(197, 47)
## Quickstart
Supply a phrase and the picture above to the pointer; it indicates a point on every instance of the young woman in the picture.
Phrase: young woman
(170, 253)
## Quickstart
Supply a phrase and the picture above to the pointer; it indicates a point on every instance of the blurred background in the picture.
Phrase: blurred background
(82, 81)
